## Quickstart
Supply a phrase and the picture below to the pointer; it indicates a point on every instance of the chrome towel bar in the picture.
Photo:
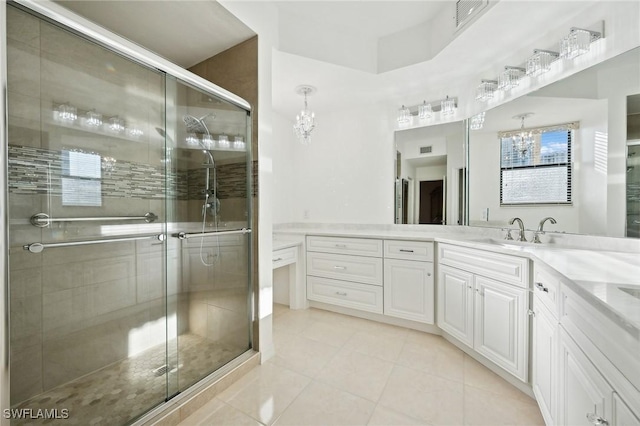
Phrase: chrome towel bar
(43, 220)
(187, 235)
(38, 247)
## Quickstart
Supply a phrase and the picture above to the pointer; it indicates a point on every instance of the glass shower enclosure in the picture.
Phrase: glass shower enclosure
(129, 235)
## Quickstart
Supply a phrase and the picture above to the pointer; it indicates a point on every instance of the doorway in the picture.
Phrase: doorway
(431, 202)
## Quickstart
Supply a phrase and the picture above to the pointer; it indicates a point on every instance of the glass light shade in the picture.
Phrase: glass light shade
(134, 132)
(238, 142)
(425, 111)
(93, 119)
(223, 141)
(576, 43)
(404, 115)
(447, 106)
(486, 90)
(540, 62)
(192, 139)
(477, 121)
(66, 113)
(510, 78)
(116, 124)
(208, 142)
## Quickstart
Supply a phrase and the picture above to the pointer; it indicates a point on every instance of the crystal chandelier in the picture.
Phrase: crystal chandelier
(305, 121)
(522, 141)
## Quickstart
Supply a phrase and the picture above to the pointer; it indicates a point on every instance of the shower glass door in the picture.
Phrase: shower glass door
(129, 207)
(209, 232)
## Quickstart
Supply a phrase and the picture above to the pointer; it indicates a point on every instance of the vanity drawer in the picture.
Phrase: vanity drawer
(509, 269)
(284, 257)
(351, 295)
(546, 288)
(344, 267)
(408, 250)
(352, 246)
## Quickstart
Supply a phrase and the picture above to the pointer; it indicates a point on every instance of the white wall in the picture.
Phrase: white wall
(262, 18)
(345, 175)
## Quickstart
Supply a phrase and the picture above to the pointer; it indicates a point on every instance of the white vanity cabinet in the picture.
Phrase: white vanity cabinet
(483, 301)
(345, 272)
(544, 353)
(408, 280)
(390, 277)
(598, 371)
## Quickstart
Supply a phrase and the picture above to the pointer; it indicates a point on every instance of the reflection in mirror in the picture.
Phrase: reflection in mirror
(574, 168)
(633, 166)
(430, 176)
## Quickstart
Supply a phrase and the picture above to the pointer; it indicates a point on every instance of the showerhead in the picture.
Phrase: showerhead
(197, 125)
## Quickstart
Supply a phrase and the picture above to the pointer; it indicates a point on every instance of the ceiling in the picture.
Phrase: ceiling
(371, 19)
(185, 32)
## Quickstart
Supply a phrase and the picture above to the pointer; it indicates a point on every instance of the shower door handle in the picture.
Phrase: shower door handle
(187, 235)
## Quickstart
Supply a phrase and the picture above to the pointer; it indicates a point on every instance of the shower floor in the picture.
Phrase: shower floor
(123, 391)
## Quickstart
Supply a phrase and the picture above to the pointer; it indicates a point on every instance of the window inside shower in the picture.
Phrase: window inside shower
(129, 227)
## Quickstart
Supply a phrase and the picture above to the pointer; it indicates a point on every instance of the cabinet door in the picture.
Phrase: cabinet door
(545, 355)
(622, 414)
(501, 325)
(584, 394)
(455, 303)
(408, 290)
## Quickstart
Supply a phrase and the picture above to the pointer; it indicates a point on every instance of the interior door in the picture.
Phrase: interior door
(431, 202)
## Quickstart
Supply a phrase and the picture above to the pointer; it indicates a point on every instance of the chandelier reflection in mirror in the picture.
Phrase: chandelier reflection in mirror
(477, 121)
(523, 141)
(305, 121)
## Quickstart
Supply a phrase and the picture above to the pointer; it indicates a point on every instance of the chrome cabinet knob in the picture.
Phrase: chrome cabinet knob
(541, 287)
(596, 419)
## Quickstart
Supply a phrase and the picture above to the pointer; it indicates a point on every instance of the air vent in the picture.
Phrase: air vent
(426, 149)
(466, 10)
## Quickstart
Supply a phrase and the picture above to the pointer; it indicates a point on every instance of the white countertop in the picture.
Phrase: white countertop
(594, 273)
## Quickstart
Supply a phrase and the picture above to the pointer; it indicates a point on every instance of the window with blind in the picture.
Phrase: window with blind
(540, 174)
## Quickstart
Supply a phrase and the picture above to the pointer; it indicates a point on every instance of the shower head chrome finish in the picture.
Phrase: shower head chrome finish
(197, 125)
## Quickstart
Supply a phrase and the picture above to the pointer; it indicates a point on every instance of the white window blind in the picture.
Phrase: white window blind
(542, 174)
(81, 184)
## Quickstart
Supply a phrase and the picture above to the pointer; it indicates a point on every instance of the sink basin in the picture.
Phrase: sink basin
(631, 291)
(504, 243)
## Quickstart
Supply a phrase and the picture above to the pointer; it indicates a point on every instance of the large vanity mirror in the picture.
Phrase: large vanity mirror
(569, 151)
(430, 175)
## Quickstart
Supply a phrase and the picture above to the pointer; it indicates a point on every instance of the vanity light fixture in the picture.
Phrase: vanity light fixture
(486, 89)
(305, 121)
(540, 61)
(510, 77)
(116, 124)
(223, 141)
(66, 113)
(404, 115)
(577, 42)
(238, 142)
(448, 106)
(207, 141)
(93, 119)
(425, 110)
(522, 141)
(192, 139)
(477, 121)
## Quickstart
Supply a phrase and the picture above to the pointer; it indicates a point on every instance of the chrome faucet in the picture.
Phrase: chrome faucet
(521, 236)
(540, 230)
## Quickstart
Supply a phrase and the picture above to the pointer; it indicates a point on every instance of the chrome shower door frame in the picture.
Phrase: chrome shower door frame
(87, 29)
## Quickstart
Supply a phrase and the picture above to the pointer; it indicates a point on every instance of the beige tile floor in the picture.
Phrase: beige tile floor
(332, 369)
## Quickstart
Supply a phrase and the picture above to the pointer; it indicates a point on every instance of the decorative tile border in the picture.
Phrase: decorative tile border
(39, 171)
